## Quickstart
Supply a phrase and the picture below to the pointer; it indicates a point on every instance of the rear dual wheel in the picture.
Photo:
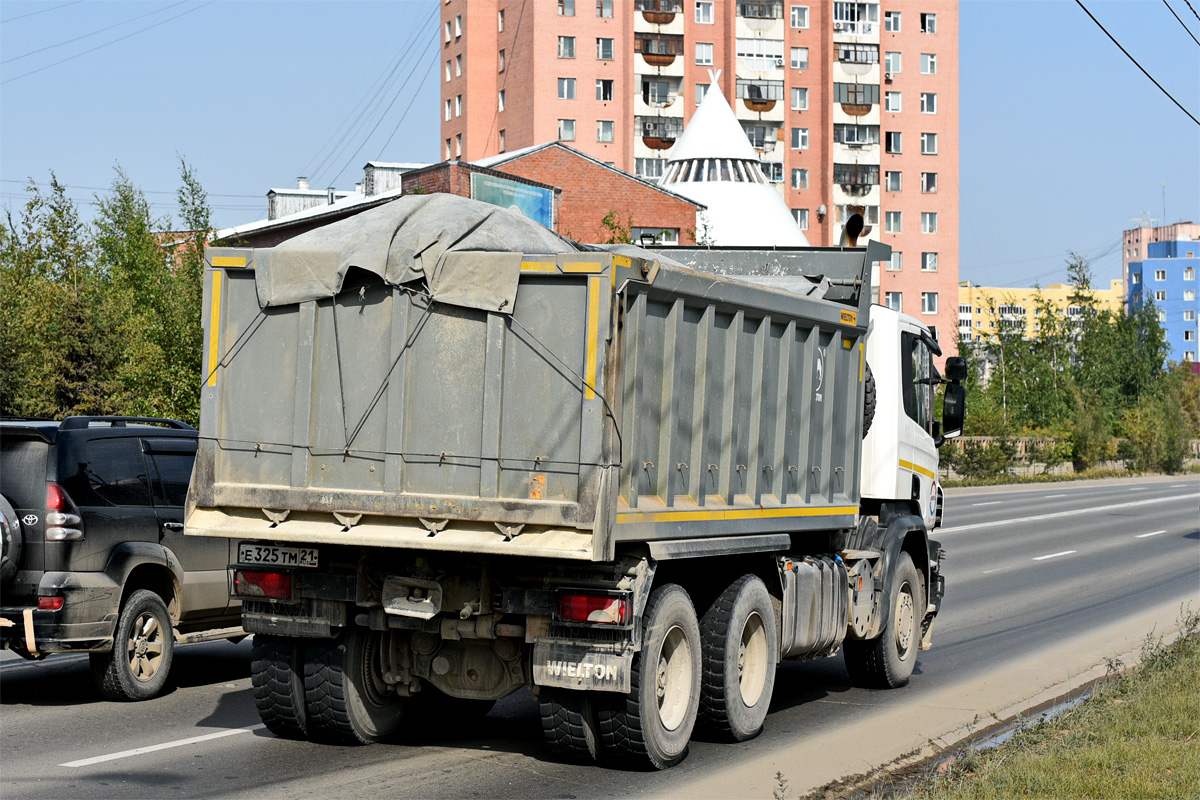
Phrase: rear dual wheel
(346, 699)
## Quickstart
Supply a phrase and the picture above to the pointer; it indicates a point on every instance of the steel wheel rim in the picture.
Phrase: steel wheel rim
(374, 687)
(752, 660)
(905, 616)
(673, 679)
(145, 647)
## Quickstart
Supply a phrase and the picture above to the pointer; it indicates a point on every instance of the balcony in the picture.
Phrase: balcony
(856, 99)
(760, 10)
(658, 12)
(658, 133)
(856, 180)
(759, 95)
(658, 49)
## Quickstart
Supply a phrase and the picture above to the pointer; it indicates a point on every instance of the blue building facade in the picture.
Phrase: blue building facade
(1167, 276)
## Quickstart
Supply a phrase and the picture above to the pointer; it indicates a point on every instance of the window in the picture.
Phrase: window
(704, 13)
(447, 148)
(928, 102)
(929, 23)
(566, 88)
(1189, 355)
(799, 16)
(1189, 314)
(704, 54)
(604, 130)
(566, 47)
(502, 140)
(448, 36)
(929, 302)
(929, 63)
(447, 72)
(566, 8)
(896, 263)
(799, 179)
(604, 49)
(929, 144)
(891, 102)
(1135, 277)
(604, 8)
(1160, 295)
(501, 61)
(892, 142)
(1189, 295)
(604, 89)
(928, 182)
(799, 58)
(458, 65)
(119, 476)
(928, 222)
(1188, 336)
(892, 181)
(849, 53)
(649, 167)
(855, 18)
(1160, 274)
(799, 99)
(929, 262)
(657, 235)
(870, 214)
(893, 300)
(500, 20)
(891, 63)
(891, 21)
(892, 222)
(457, 145)
(856, 174)
(856, 93)
(801, 217)
(799, 138)
(964, 310)
(449, 111)
(458, 26)
(773, 170)
(500, 101)
(458, 105)
(566, 130)
(1189, 274)
(701, 90)
(760, 54)
(855, 135)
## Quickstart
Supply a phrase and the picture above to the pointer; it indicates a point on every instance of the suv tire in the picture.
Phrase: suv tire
(143, 648)
(10, 542)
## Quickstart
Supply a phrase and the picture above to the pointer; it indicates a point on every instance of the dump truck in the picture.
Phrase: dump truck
(462, 456)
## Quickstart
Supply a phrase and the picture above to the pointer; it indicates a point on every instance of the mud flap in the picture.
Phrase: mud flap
(572, 666)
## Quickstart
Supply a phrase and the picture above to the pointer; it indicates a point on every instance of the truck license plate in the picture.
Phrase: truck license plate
(275, 556)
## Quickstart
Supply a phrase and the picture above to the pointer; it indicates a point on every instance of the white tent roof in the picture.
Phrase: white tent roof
(713, 131)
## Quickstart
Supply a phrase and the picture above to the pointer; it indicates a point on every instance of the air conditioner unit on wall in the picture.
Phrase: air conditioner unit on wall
(887, 76)
(779, 62)
(837, 26)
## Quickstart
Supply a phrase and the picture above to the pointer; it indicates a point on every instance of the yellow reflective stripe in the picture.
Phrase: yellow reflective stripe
(622, 261)
(917, 469)
(582, 266)
(229, 261)
(862, 358)
(214, 328)
(593, 337)
(733, 514)
(539, 266)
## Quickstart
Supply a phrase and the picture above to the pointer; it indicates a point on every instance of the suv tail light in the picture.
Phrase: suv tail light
(63, 523)
(598, 609)
(50, 603)
(264, 585)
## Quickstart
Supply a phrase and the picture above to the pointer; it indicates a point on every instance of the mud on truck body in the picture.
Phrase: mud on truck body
(462, 456)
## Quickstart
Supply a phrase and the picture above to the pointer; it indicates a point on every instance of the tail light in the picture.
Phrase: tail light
(50, 603)
(262, 585)
(63, 523)
(597, 609)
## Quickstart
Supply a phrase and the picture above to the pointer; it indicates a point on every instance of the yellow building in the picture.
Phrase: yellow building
(983, 311)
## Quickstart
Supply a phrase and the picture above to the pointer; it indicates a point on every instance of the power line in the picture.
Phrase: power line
(35, 13)
(405, 114)
(1194, 14)
(1185, 27)
(93, 33)
(106, 44)
(1135, 62)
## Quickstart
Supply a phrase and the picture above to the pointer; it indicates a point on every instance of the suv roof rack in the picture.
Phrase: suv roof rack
(77, 423)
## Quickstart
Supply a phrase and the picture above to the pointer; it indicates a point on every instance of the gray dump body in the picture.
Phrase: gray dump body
(601, 398)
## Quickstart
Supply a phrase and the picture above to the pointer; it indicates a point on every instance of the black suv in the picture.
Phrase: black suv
(94, 556)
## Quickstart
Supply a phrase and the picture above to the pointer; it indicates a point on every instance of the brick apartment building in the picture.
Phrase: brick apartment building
(847, 103)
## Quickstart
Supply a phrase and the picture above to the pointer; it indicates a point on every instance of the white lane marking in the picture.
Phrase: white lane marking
(993, 523)
(86, 762)
(1056, 555)
(1177, 485)
(1145, 535)
(990, 571)
(1138, 489)
(1052, 496)
(990, 503)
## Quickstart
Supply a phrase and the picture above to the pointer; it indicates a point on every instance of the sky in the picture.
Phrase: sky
(1063, 141)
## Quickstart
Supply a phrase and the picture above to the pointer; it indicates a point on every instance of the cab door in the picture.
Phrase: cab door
(919, 455)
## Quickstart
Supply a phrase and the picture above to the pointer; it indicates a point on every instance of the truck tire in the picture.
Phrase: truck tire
(740, 650)
(143, 648)
(650, 727)
(344, 693)
(869, 396)
(887, 661)
(277, 678)
(10, 542)
(569, 724)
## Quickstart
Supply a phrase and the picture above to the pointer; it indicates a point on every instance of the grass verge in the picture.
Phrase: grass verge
(1138, 736)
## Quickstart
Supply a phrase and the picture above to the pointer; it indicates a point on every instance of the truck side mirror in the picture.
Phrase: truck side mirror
(956, 368)
(954, 409)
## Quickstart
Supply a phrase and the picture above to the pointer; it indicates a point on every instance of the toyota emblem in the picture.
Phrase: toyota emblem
(30, 519)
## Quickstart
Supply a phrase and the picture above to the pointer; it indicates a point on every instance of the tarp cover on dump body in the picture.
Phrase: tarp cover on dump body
(469, 252)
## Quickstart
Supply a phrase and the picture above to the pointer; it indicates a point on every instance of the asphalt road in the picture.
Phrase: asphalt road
(1028, 568)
